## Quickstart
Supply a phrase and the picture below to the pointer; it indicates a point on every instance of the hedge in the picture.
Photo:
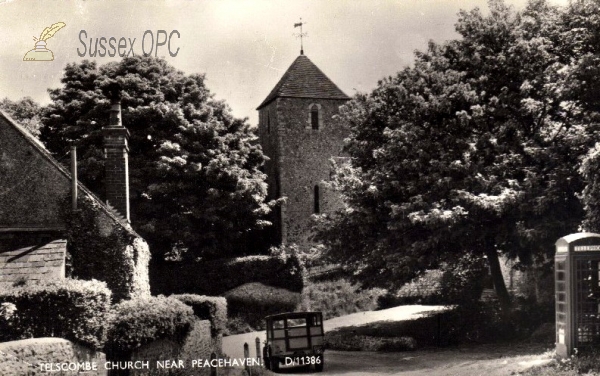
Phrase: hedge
(140, 321)
(219, 276)
(211, 308)
(71, 309)
(253, 301)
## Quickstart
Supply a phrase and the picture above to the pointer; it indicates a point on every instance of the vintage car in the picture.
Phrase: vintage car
(294, 340)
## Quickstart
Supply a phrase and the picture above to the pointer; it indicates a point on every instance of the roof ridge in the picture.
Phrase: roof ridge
(303, 79)
(39, 146)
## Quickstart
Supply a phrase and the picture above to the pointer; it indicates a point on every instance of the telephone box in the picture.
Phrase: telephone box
(577, 281)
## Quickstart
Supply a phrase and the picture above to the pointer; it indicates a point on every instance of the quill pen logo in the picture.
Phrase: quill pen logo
(40, 52)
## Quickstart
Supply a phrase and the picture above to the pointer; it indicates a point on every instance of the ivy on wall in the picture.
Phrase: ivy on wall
(101, 248)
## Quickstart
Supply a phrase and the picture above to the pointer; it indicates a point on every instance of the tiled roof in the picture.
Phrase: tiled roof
(304, 80)
(40, 262)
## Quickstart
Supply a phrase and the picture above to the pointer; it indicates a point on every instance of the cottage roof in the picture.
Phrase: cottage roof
(304, 79)
(41, 150)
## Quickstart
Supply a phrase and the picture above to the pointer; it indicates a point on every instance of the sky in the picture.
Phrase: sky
(243, 46)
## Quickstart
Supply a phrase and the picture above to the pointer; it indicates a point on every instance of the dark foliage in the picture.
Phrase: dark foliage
(196, 188)
(218, 276)
(138, 322)
(211, 308)
(70, 309)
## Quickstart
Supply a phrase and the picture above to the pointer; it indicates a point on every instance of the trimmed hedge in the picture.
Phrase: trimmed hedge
(213, 308)
(138, 322)
(253, 301)
(219, 276)
(71, 309)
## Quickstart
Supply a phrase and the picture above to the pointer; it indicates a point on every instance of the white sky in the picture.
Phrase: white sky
(244, 46)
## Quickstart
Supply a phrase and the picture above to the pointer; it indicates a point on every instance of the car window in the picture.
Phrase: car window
(278, 324)
(297, 322)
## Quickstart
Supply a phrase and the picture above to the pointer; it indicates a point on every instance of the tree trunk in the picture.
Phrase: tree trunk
(498, 279)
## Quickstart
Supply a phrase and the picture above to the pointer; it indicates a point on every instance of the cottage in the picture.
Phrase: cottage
(34, 188)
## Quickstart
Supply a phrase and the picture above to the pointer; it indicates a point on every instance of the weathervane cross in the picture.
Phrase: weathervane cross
(301, 35)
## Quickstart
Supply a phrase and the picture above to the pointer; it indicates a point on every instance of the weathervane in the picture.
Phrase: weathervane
(301, 35)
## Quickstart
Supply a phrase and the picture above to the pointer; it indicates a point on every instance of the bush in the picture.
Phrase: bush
(345, 341)
(217, 277)
(141, 321)
(253, 301)
(474, 324)
(338, 298)
(211, 308)
(70, 309)
(460, 282)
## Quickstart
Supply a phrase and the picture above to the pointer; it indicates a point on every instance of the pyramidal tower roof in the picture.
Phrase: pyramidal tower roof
(304, 80)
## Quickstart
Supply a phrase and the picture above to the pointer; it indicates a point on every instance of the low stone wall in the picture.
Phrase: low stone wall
(164, 357)
(42, 356)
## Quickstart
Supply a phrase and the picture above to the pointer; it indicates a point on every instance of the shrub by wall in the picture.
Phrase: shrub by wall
(219, 276)
(212, 308)
(102, 248)
(70, 309)
(138, 322)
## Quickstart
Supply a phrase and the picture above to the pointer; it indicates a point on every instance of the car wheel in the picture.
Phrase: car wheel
(320, 363)
(274, 364)
(266, 359)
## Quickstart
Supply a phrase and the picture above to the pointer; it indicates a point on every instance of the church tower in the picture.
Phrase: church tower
(300, 133)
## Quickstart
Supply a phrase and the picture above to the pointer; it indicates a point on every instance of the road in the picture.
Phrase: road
(233, 346)
(484, 361)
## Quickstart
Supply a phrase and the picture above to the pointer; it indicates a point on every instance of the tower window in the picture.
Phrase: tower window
(268, 124)
(314, 118)
(317, 206)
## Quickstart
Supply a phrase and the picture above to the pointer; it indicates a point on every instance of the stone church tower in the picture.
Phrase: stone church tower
(300, 133)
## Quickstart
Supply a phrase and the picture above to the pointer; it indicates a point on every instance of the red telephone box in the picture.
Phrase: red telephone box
(577, 289)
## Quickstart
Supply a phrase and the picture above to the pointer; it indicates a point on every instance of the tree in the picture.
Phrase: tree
(25, 111)
(473, 151)
(195, 182)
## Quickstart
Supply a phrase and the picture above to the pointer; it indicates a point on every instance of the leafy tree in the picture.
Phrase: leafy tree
(473, 151)
(195, 182)
(25, 111)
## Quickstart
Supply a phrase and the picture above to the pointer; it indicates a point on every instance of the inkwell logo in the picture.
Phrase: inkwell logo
(40, 52)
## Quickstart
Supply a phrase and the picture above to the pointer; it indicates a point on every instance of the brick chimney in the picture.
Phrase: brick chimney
(116, 154)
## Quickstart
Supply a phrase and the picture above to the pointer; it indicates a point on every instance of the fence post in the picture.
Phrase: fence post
(213, 370)
(247, 356)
